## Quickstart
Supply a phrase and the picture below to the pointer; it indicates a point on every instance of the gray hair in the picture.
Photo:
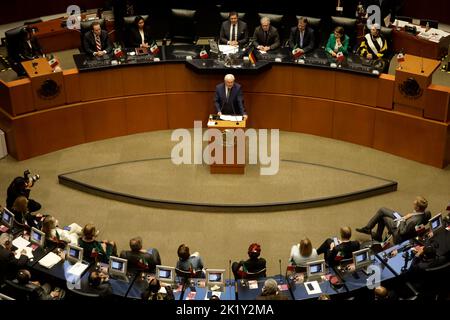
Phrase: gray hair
(265, 19)
(4, 238)
(229, 77)
(270, 287)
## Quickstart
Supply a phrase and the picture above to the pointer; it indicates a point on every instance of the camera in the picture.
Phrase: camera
(30, 177)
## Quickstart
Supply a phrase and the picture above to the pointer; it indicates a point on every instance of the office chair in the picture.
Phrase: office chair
(255, 275)
(5, 297)
(404, 18)
(80, 295)
(182, 27)
(224, 15)
(13, 41)
(19, 292)
(85, 26)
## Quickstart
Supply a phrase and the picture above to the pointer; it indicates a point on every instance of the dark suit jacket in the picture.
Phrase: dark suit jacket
(135, 40)
(89, 42)
(242, 32)
(407, 229)
(142, 261)
(273, 38)
(9, 265)
(235, 102)
(308, 40)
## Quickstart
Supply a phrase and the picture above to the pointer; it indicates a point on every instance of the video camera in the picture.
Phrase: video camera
(30, 177)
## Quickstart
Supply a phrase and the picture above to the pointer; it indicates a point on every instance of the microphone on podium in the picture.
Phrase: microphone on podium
(281, 276)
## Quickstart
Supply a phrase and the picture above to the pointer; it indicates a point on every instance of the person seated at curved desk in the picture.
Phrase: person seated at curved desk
(96, 42)
(189, 262)
(302, 36)
(374, 45)
(29, 47)
(153, 291)
(99, 284)
(139, 36)
(270, 291)
(139, 259)
(302, 253)
(337, 42)
(252, 265)
(233, 32)
(228, 98)
(36, 290)
(333, 253)
(266, 36)
(8, 263)
(94, 250)
(401, 228)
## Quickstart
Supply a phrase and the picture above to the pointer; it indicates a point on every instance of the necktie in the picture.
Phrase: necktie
(301, 39)
(98, 43)
(234, 35)
(266, 36)
(228, 93)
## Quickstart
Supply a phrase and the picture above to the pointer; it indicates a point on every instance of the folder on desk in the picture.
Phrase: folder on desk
(50, 260)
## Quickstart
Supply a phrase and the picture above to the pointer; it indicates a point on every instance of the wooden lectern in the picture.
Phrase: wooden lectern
(412, 78)
(224, 126)
(47, 86)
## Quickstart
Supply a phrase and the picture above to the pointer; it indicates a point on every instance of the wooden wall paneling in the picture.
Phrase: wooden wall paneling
(6, 125)
(143, 79)
(270, 111)
(21, 96)
(47, 131)
(385, 93)
(313, 82)
(353, 123)
(278, 79)
(411, 137)
(146, 113)
(5, 97)
(185, 108)
(437, 103)
(356, 88)
(312, 116)
(72, 86)
(104, 119)
(101, 84)
(178, 78)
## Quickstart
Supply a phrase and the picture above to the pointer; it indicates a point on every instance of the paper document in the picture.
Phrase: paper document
(253, 284)
(211, 123)
(50, 260)
(28, 252)
(226, 49)
(77, 269)
(230, 118)
(20, 242)
(209, 294)
(312, 287)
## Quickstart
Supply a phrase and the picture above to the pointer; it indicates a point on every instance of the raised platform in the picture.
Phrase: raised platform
(297, 185)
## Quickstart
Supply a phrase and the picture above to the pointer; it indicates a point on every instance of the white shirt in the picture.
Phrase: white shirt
(298, 259)
(141, 32)
(231, 32)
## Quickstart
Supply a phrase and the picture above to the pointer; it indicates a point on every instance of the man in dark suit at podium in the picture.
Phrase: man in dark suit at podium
(228, 98)
(96, 41)
(233, 32)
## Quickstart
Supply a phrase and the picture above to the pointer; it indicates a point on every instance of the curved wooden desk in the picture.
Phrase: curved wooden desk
(128, 100)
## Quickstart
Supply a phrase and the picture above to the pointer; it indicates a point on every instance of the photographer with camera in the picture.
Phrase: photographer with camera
(21, 186)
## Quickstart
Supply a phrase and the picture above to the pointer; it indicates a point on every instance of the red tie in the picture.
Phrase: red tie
(98, 44)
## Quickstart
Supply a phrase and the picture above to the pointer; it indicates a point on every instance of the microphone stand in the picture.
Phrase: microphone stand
(229, 273)
(281, 276)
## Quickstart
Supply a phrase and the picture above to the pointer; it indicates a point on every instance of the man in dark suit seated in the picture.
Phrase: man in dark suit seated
(96, 41)
(266, 36)
(302, 36)
(335, 252)
(401, 228)
(29, 47)
(8, 263)
(139, 259)
(228, 98)
(35, 290)
(233, 32)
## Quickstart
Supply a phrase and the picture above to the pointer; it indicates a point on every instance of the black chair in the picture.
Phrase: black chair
(349, 26)
(224, 15)
(182, 27)
(316, 25)
(431, 23)
(404, 18)
(5, 297)
(255, 275)
(14, 38)
(19, 292)
(85, 26)
(81, 296)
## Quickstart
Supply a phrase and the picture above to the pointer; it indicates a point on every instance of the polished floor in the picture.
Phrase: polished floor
(223, 236)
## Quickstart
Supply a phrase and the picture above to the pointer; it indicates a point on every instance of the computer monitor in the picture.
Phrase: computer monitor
(215, 277)
(37, 237)
(74, 253)
(436, 222)
(315, 269)
(165, 274)
(361, 258)
(117, 267)
(7, 218)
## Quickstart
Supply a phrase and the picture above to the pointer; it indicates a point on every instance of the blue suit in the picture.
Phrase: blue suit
(234, 104)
